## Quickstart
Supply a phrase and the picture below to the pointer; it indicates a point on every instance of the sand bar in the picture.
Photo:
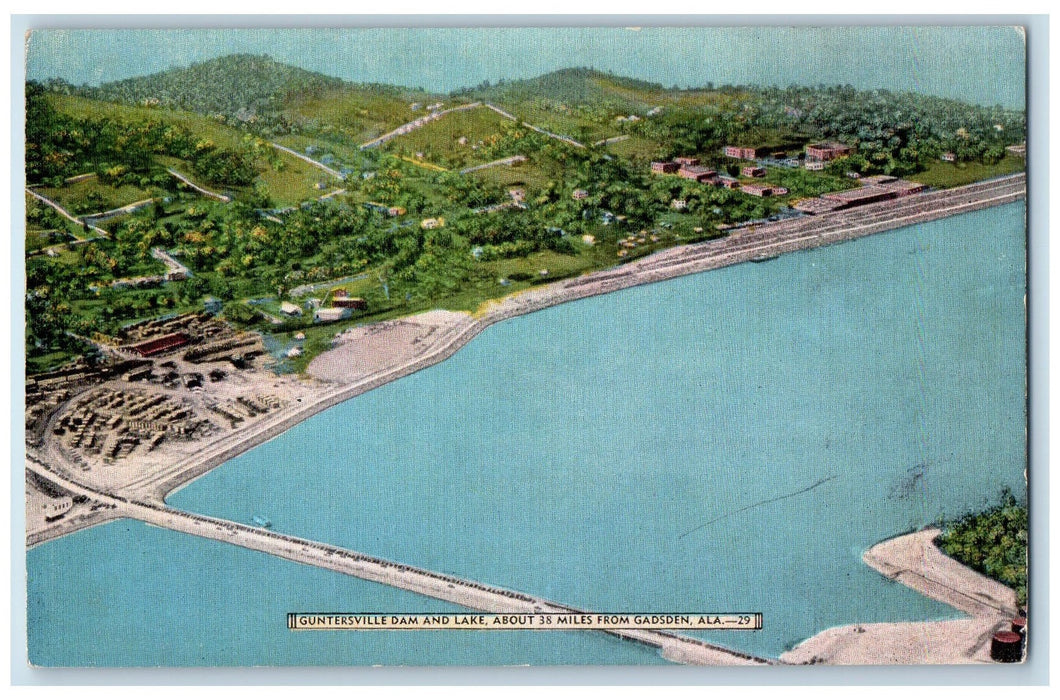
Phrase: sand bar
(915, 561)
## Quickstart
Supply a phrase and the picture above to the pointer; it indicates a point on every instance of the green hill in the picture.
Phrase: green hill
(267, 97)
(573, 86)
(238, 86)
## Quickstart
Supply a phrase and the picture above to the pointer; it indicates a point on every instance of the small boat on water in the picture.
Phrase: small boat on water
(261, 521)
(764, 257)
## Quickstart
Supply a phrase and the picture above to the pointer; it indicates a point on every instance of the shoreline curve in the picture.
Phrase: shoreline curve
(745, 244)
(915, 561)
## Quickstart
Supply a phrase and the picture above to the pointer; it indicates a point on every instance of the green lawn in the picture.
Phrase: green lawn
(294, 182)
(955, 174)
(37, 239)
(343, 149)
(43, 363)
(358, 113)
(636, 147)
(198, 124)
(291, 184)
(529, 174)
(439, 139)
(91, 196)
(803, 183)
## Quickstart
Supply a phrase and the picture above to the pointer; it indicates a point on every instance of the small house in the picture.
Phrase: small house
(829, 150)
(740, 152)
(331, 314)
(663, 167)
(356, 303)
(289, 309)
(757, 189)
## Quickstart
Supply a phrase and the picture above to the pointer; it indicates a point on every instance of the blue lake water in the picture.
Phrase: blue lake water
(732, 440)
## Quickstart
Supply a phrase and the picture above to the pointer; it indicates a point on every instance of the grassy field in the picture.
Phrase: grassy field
(290, 184)
(91, 196)
(564, 123)
(636, 147)
(37, 239)
(43, 363)
(202, 126)
(955, 174)
(295, 181)
(534, 173)
(802, 183)
(341, 148)
(439, 140)
(528, 174)
(359, 113)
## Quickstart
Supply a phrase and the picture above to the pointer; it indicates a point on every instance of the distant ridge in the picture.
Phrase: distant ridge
(239, 86)
(572, 86)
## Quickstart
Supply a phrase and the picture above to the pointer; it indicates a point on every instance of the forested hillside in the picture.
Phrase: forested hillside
(239, 86)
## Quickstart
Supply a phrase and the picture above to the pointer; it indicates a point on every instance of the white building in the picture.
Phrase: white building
(331, 314)
(56, 507)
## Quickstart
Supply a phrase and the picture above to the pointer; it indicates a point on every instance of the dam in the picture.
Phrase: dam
(471, 594)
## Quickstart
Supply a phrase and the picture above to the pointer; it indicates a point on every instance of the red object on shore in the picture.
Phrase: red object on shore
(159, 345)
(1019, 625)
(1006, 647)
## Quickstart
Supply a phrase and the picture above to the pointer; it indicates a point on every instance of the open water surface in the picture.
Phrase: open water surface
(728, 441)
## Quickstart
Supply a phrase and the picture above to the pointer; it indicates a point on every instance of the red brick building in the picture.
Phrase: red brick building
(752, 171)
(741, 152)
(829, 150)
(758, 189)
(350, 303)
(698, 173)
(664, 167)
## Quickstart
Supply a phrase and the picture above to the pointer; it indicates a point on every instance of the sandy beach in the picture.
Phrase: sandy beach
(914, 560)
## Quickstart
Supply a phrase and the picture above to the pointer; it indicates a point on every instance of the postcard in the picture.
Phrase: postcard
(480, 346)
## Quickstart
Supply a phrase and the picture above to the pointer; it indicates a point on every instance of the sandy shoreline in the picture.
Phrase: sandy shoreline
(367, 357)
(914, 561)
